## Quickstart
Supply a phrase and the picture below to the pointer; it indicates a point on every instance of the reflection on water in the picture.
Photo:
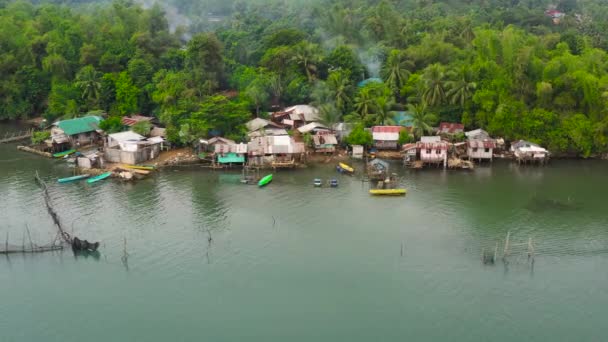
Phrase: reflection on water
(208, 256)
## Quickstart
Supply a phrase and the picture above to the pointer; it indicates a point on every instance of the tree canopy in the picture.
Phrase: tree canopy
(510, 67)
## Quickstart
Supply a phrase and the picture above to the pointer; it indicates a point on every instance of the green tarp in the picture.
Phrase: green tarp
(230, 158)
(80, 125)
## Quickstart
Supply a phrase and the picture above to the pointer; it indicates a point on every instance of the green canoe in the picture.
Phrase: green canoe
(73, 178)
(264, 181)
(63, 154)
(99, 177)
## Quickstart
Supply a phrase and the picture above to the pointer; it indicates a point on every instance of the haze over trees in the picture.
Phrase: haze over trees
(209, 66)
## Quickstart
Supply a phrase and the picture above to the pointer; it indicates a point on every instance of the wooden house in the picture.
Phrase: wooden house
(325, 142)
(259, 127)
(525, 151)
(386, 137)
(274, 151)
(480, 146)
(77, 132)
(229, 153)
(450, 128)
(433, 150)
(410, 152)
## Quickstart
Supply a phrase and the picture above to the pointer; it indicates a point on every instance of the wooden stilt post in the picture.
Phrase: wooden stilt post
(506, 250)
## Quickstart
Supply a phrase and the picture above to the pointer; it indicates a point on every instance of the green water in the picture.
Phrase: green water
(291, 262)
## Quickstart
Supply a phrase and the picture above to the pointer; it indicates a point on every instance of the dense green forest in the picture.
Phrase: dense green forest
(201, 66)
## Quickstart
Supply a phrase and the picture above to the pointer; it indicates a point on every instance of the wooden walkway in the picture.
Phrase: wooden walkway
(16, 136)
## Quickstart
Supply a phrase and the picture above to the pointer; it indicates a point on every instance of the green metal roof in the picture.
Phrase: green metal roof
(230, 158)
(79, 125)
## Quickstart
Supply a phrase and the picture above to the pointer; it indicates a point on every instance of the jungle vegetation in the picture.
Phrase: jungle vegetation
(209, 66)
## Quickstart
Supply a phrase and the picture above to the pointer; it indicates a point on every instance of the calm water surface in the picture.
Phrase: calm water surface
(291, 262)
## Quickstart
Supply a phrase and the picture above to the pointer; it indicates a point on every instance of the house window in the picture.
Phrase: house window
(428, 151)
(438, 151)
(487, 150)
(474, 149)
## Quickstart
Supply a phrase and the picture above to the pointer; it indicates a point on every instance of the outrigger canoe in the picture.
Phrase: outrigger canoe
(345, 168)
(387, 192)
(264, 181)
(63, 154)
(73, 178)
(99, 177)
(140, 167)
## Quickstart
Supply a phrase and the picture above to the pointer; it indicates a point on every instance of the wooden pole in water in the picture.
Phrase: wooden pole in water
(496, 252)
(506, 251)
(530, 249)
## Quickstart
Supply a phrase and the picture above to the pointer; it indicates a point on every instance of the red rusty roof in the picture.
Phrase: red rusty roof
(486, 143)
(133, 119)
(432, 145)
(387, 129)
(451, 127)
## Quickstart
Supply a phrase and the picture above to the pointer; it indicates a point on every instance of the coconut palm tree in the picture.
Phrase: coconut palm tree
(307, 56)
(339, 83)
(434, 85)
(461, 88)
(382, 108)
(88, 80)
(421, 120)
(364, 104)
(329, 115)
(395, 72)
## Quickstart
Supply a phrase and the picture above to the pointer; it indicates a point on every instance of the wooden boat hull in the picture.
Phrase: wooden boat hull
(63, 154)
(264, 181)
(98, 178)
(346, 168)
(388, 192)
(140, 167)
(73, 179)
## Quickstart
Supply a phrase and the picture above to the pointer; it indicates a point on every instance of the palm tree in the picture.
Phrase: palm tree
(89, 81)
(382, 108)
(307, 56)
(461, 89)
(329, 115)
(395, 72)
(339, 83)
(276, 87)
(434, 85)
(258, 94)
(364, 104)
(421, 120)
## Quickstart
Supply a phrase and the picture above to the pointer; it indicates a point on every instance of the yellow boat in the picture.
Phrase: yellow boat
(346, 168)
(387, 192)
(140, 167)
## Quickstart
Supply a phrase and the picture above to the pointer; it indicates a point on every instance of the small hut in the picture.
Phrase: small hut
(377, 169)
(357, 152)
(529, 152)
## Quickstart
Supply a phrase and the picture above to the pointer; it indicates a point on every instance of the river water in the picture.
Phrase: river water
(291, 262)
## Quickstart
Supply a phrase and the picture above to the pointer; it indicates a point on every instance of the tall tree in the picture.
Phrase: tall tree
(88, 80)
(461, 87)
(434, 85)
(421, 120)
(395, 70)
(307, 56)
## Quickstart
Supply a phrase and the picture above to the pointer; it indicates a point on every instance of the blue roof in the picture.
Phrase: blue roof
(369, 80)
(403, 118)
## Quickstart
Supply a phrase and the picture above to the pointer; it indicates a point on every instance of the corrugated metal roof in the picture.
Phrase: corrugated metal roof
(479, 143)
(126, 136)
(450, 127)
(386, 129)
(430, 139)
(80, 125)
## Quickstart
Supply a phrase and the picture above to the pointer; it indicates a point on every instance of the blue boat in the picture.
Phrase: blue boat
(333, 183)
(100, 177)
(73, 178)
